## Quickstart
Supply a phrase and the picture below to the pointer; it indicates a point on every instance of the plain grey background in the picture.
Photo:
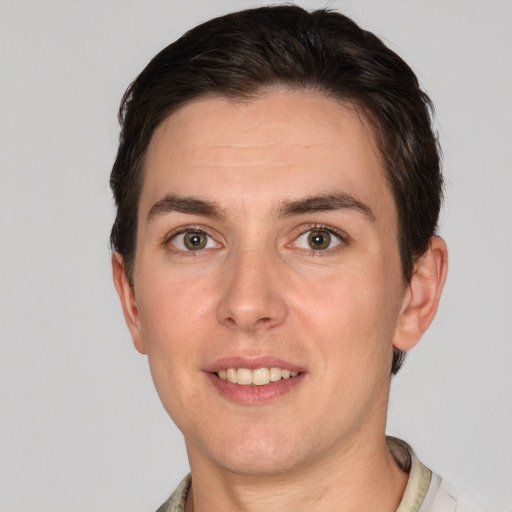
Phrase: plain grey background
(81, 428)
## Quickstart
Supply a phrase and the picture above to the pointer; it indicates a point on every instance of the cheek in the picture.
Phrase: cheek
(355, 314)
(174, 316)
(173, 322)
(170, 303)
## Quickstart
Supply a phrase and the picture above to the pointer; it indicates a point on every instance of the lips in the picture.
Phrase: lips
(254, 380)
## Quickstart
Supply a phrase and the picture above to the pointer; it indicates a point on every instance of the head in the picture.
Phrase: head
(277, 188)
(246, 54)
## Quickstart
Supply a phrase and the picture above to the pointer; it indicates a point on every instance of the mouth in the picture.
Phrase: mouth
(253, 381)
(257, 377)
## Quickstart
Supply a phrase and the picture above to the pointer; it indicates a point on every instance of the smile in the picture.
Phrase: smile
(258, 377)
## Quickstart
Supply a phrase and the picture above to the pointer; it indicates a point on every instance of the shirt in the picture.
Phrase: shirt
(425, 491)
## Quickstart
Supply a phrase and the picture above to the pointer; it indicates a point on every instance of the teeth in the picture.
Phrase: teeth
(275, 374)
(259, 377)
(244, 376)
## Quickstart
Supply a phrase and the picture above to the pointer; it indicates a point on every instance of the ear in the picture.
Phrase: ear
(422, 296)
(127, 295)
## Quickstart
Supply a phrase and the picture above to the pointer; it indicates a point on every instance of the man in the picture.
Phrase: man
(278, 188)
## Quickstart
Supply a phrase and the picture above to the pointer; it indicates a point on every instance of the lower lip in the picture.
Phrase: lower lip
(254, 394)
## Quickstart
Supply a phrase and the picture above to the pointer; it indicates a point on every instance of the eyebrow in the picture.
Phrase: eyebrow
(324, 203)
(321, 203)
(189, 205)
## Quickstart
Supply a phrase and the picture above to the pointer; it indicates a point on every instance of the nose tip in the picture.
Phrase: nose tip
(249, 320)
(252, 298)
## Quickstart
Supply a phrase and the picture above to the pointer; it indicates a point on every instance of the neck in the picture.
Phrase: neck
(364, 477)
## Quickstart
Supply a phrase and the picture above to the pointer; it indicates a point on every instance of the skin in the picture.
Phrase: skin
(259, 290)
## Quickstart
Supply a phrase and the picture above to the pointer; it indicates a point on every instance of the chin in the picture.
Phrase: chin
(252, 455)
(258, 463)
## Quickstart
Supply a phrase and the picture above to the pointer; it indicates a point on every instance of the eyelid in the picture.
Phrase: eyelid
(342, 236)
(182, 230)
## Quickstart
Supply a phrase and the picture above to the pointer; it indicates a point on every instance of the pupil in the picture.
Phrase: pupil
(319, 239)
(195, 240)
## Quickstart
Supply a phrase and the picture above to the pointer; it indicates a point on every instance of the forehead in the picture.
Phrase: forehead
(276, 145)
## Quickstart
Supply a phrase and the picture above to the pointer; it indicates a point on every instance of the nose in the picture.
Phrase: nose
(253, 295)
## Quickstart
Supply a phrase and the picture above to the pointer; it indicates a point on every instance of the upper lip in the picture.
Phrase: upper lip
(251, 363)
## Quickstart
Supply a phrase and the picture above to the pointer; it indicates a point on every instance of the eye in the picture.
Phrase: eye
(193, 241)
(318, 240)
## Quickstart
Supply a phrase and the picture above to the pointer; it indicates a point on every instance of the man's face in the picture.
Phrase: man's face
(267, 240)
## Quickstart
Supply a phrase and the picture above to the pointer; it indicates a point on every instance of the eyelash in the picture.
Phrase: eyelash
(182, 230)
(343, 238)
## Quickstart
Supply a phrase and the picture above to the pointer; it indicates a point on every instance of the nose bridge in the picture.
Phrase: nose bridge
(251, 298)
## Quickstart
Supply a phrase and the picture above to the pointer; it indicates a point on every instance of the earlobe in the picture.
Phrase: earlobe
(127, 296)
(422, 296)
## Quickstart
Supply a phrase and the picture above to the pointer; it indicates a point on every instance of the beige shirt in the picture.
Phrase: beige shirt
(425, 491)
